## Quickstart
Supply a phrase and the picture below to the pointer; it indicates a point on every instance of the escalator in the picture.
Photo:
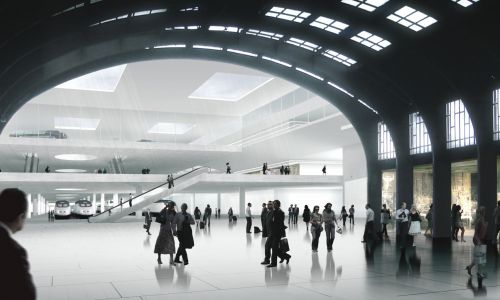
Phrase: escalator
(145, 199)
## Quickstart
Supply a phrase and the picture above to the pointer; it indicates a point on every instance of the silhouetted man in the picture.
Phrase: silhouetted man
(277, 230)
(248, 215)
(148, 219)
(267, 233)
(16, 281)
(263, 215)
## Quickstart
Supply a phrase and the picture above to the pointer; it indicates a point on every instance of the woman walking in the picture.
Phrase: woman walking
(479, 252)
(316, 228)
(385, 216)
(343, 215)
(429, 222)
(306, 216)
(415, 223)
(197, 215)
(459, 224)
(351, 215)
(165, 243)
(330, 221)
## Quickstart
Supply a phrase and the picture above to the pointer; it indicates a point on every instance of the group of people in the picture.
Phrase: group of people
(457, 223)
(173, 223)
(51, 215)
(284, 170)
(293, 214)
(145, 171)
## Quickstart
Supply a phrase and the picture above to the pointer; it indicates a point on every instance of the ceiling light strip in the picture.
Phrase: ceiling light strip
(340, 89)
(242, 52)
(207, 47)
(170, 46)
(309, 73)
(368, 106)
(276, 61)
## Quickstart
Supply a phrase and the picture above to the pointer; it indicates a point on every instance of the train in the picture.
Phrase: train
(62, 210)
(82, 209)
(47, 134)
(156, 207)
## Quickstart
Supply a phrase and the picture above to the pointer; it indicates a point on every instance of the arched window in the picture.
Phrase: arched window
(419, 138)
(385, 146)
(459, 129)
(496, 115)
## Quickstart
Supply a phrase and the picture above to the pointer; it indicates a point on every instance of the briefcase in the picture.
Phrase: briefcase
(284, 247)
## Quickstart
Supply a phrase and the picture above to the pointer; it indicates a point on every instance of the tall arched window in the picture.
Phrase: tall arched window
(459, 129)
(385, 146)
(419, 138)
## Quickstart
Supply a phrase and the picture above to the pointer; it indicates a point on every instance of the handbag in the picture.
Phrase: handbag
(283, 246)
(339, 230)
(145, 226)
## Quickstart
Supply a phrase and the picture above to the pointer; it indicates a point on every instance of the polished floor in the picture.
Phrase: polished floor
(72, 259)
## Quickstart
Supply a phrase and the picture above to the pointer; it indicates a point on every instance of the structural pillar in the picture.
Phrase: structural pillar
(102, 202)
(94, 202)
(30, 206)
(242, 202)
(218, 202)
(138, 191)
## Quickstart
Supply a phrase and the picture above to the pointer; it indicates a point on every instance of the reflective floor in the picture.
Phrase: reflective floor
(71, 259)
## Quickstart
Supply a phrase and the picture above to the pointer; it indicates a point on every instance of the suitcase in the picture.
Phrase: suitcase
(202, 225)
(235, 218)
(256, 229)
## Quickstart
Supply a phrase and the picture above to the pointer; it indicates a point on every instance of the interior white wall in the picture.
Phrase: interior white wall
(228, 200)
(355, 193)
(309, 197)
(316, 169)
(202, 199)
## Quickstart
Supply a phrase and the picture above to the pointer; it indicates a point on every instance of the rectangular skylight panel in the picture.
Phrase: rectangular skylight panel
(224, 28)
(141, 13)
(288, 14)
(157, 11)
(105, 80)
(303, 44)
(340, 89)
(170, 46)
(76, 123)
(368, 5)
(329, 25)
(207, 47)
(465, 3)
(339, 57)
(411, 18)
(171, 128)
(229, 87)
(370, 40)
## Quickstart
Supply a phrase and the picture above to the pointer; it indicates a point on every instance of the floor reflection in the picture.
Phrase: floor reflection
(409, 263)
(330, 273)
(165, 276)
(477, 291)
(147, 242)
(277, 276)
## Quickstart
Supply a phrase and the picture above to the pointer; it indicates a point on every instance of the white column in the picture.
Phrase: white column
(30, 206)
(94, 202)
(36, 206)
(218, 202)
(242, 202)
(138, 191)
(102, 202)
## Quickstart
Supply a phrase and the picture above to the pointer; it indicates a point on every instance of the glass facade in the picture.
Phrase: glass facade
(419, 138)
(459, 129)
(464, 185)
(389, 189)
(422, 190)
(385, 146)
(496, 115)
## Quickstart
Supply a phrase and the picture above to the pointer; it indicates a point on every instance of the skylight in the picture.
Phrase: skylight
(75, 157)
(340, 89)
(303, 44)
(192, 27)
(225, 28)
(148, 12)
(411, 18)
(190, 9)
(465, 3)
(276, 61)
(207, 47)
(288, 14)
(329, 25)
(76, 123)
(368, 5)
(371, 40)
(265, 34)
(341, 58)
(105, 80)
(309, 73)
(229, 87)
(171, 128)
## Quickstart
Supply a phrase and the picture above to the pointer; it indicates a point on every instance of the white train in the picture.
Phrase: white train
(156, 207)
(62, 209)
(82, 209)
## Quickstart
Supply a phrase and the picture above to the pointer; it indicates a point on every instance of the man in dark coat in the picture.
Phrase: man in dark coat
(16, 281)
(147, 220)
(267, 233)
(263, 215)
(277, 230)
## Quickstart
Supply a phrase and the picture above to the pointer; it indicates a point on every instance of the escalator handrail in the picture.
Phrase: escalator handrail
(137, 196)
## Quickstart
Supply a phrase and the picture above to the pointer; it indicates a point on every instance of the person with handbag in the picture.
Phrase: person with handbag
(415, 228)
(402, 218)
(330, 221)
(277, 230)
(316, 227)
(343, 215)
(165, 243)
(184, 233)
(479, 252)
(269, 234)
(147, 221)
